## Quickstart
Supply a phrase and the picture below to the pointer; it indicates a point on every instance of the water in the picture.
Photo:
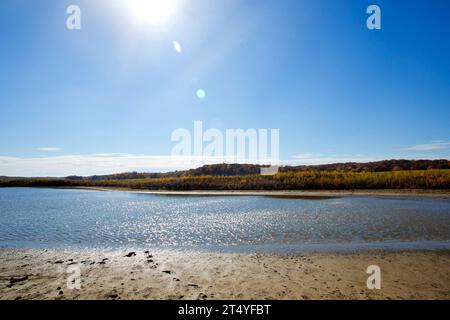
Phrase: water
(36, 218)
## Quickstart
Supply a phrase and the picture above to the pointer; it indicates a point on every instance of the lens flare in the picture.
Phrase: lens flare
(201, 94)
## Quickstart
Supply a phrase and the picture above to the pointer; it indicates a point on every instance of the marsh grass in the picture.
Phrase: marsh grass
(308, 180)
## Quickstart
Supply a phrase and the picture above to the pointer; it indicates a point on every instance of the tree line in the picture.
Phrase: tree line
(225, 169)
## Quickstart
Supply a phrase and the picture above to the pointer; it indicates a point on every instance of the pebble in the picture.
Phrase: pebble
(130, 254)
(19, 279)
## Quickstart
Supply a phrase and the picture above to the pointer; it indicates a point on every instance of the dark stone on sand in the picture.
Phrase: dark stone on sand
(59, 288)
(113, 296)
(167, 271)
(60, 292)
(59, 262)
(193, 285)
(18, 298)
(146, 252)
(17, 279)
(131, 254)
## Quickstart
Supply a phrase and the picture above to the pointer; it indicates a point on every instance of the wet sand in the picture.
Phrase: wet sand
(119, 274)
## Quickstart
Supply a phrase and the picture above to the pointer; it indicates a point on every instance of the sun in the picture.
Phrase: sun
(152, 11)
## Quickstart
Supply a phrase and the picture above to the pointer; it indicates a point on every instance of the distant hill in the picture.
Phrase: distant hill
(378, 166)
(4, 178)
(250, 169)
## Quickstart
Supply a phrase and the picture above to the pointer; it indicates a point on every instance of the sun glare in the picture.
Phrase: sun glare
(152, 11)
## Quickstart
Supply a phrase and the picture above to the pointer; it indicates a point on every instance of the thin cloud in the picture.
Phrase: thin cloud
(432, 146)
(49, 149)
(84, 165)
(99, 164)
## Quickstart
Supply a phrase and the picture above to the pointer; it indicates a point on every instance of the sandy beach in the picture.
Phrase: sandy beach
(156, 274)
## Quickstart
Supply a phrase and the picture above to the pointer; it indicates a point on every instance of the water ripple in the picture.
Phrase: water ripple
(90, 218)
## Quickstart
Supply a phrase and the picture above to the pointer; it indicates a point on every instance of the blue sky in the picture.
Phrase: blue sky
(106, 98)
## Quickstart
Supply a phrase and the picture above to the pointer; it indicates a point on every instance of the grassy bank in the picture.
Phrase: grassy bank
(324, 180)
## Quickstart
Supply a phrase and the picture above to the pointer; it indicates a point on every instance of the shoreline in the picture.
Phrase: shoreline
(284, 193)
(110, 274)
(276, 248)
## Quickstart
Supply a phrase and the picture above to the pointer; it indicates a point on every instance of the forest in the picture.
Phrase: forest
(251, 169)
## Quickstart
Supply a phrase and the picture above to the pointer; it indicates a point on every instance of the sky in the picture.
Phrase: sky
(106, 98)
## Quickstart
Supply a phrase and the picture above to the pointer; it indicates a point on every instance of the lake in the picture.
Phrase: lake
(51, 218)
